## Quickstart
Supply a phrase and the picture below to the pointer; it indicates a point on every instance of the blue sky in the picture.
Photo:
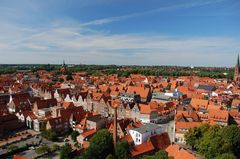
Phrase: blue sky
(142, 32)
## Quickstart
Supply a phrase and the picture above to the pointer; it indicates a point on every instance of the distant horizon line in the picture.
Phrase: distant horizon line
(119, 65)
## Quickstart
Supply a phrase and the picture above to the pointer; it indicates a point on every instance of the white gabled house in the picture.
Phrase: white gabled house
(143, 133)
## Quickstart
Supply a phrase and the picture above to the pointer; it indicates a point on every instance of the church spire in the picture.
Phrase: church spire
(63, 68)
(236, 71)
(238, 63)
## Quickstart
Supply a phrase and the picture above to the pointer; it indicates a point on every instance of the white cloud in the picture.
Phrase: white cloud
(196, 3)
(77, 44)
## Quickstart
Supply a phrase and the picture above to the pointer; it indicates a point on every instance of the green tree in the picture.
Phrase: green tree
(101, 145)
(226, 156)
(209, 145)
(159, 155)
(50, 135)
(12, 148)
(217, 141)
(230, 136)
(122, 150)
(65, 152)
(74, 135)
(194, 134)
(55, 147)
(42, 149)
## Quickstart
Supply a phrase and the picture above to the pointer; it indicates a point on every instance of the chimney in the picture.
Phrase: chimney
(115, 127)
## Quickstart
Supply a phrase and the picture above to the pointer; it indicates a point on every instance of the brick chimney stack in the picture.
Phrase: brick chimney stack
(115, 127)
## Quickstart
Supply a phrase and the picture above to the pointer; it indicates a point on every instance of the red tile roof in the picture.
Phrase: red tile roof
(144, 148)
(199, 103)
(18, 157)
(146, 109)
(142, 91)
(67, 105)
(173, 150)
(218, 115)
(128, 138)
(183, 126)
(177, 152)
(160, 141)
(88, 133)
(184, 154)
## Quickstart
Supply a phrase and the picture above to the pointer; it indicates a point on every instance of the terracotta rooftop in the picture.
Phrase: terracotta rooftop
(142, 149)
(160, 141)
(18, 157)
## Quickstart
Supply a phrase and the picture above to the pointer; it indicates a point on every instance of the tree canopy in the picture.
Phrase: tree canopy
(122, 150)
(43, 149)
(226, 156)
(101, 145)
(215, 141)
(194, 134)
(49, 134)
(74, 135)
(65, 152)
(159, 155)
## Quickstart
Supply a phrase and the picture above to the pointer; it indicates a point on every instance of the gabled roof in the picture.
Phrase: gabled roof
(128, 138)
(160, 141)
(142, 91)
(88, 133)
(123, 123)
(186, 115)
(183, 126)
(134, 125)
(46, 103)
(146, 128)
(56, 121)
(220, 115)
(197, 103)
(67, 105)
(142, 149)
(172, 150)
(94, 118)
(184, 154)
(146, 109)
(114, 93)
(28, 113)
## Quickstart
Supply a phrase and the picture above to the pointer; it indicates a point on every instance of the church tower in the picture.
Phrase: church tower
(63, 68)
(236, 71)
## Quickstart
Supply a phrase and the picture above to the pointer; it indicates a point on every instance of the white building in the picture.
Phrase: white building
(143, 133)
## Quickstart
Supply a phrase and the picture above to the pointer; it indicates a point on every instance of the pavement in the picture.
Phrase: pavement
(17, 137)
(19, 141)
(31, 154)
(31, 137)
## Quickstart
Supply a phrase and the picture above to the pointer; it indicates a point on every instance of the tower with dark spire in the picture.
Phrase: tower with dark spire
(236, 71)
(63, 68)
